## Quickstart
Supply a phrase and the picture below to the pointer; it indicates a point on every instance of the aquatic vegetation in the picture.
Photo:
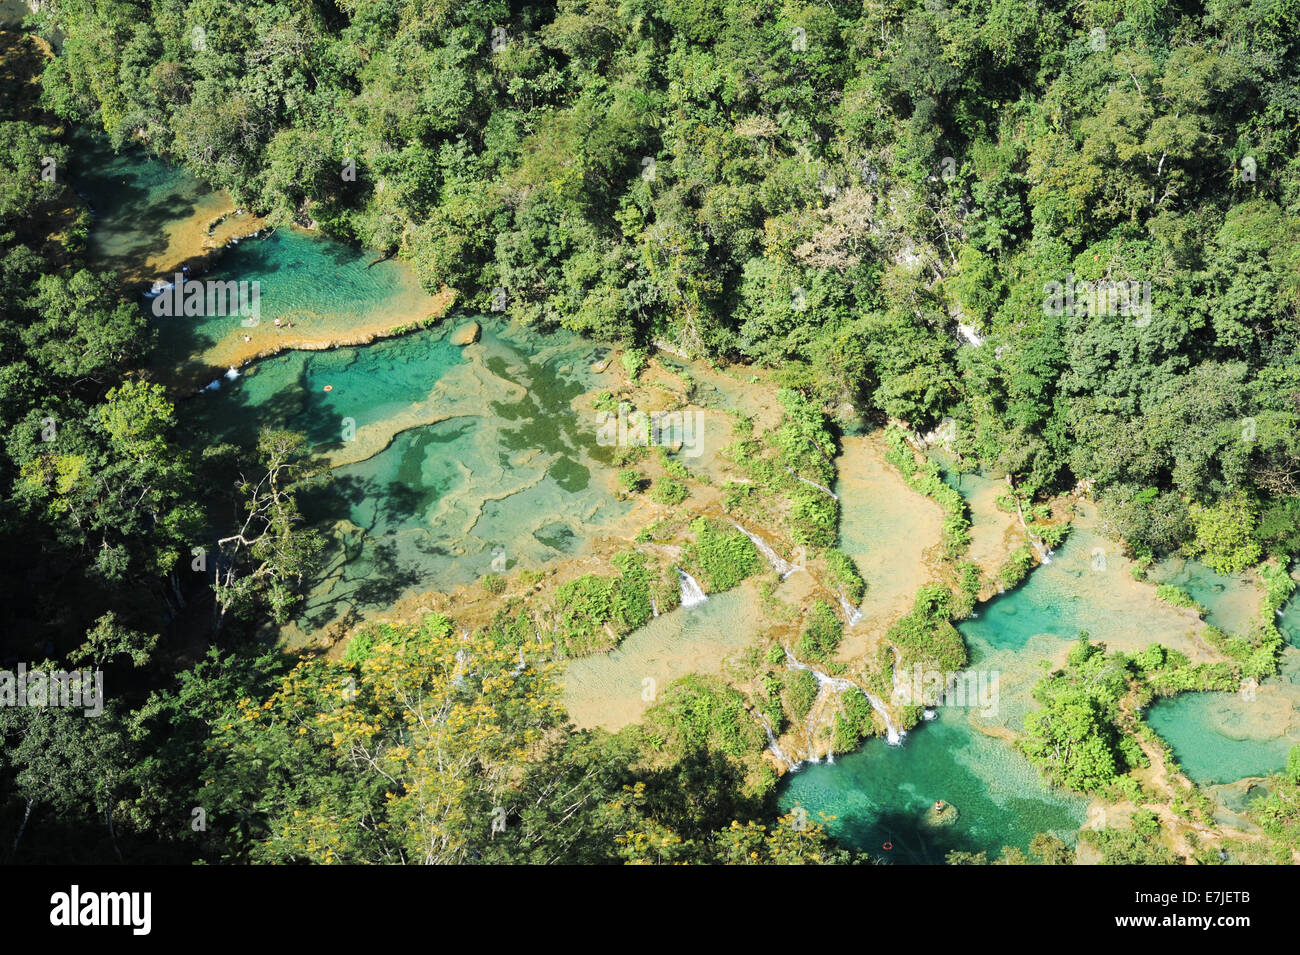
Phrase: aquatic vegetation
(668, 492)
(701, 712)
(1136, 845)
(1017, 567)
(593, 612)
(1177, 597)
(1167, 673)
(1075, 739)
(1279, 585)
(801, 689)
(821, 634)
(1255, 651)
(1278, 813)
(843, 574)
(855, 721)
(926, 636)
(724, 557)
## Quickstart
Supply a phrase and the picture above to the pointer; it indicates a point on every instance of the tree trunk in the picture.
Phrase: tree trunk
(112, 835)
(18, 838)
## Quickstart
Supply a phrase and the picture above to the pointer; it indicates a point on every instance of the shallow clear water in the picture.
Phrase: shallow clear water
(141, 205)
(444, 458)
(1231, 602)
(610, 689)
(429, 503)
(288, 391)
(883, 794)
(328, 291)
(886, 528)
(1224, 737)
(447, 458)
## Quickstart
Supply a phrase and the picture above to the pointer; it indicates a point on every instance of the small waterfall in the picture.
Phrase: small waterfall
(1044, 552)
(654, 606)
(692, 593)
(812, 725)
(851, 613)
(893, 735)
(821, 487)
(781, 566)
(774, 746)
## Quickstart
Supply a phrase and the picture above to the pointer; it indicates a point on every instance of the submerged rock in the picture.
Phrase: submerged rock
(940, 814)
(466, 334)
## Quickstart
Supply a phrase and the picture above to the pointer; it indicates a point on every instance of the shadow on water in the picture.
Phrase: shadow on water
(132, 196)
(428, 510)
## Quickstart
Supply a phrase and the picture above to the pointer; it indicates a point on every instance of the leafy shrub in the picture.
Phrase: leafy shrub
(1178, 597)
(854, 722)
(594, 611)
(801, 690)
(703, 713)
(723, 557)
(633, 361)
(1278, 586)
(1017, 567)
(821, 634)
(926, 635)
(844, 575)
(668, 492)
(814, 517)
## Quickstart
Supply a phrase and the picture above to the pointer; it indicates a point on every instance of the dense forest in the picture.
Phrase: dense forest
(829, 188)
(1071, 230)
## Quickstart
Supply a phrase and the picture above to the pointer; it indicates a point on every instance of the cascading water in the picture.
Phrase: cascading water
(692, 593)
(851, 613)
(774, 746)
(893, 735)
(779, 564)
(821, 487)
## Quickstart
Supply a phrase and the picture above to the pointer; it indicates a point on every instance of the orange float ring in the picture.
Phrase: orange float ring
(888, 846)
(329, 387)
